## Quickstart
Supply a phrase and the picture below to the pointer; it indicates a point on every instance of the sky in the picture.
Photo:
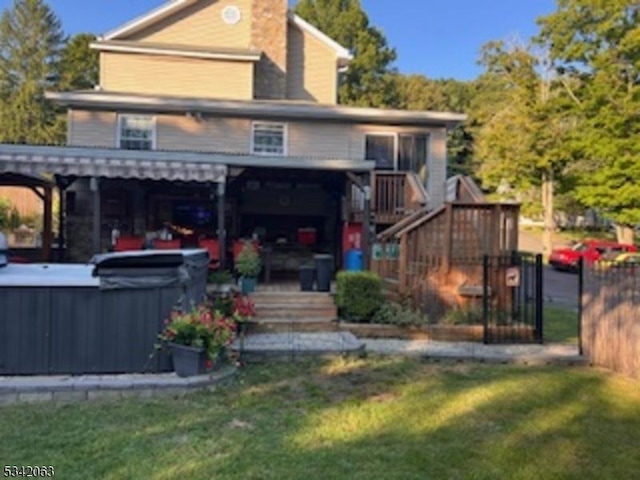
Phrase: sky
(436, 38)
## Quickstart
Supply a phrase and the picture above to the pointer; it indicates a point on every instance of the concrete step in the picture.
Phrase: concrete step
(297, 312)
(291, 297)
(286, 325)
(292, 345)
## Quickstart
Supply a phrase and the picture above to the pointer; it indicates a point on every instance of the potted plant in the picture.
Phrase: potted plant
(248, 265)
(222, 281)
(196, 338)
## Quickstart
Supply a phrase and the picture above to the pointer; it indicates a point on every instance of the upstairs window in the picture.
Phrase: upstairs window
(381, 148)
(404, 152)
(412, 154)
(269, 139)
(136, 132)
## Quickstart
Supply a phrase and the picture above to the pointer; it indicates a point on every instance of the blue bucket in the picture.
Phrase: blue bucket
(353, 261)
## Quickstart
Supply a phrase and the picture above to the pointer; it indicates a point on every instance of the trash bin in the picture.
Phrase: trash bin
(353, 260)
(324, 271)
(307, 277)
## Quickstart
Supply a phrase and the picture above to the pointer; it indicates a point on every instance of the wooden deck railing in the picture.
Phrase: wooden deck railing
(394, 195)
(451, 237)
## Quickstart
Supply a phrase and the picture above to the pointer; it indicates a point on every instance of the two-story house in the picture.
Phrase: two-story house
(221, 118)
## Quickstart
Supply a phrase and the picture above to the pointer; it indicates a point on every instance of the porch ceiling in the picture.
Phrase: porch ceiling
(153, 165)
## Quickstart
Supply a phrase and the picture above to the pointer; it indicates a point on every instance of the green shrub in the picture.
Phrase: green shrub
(464, 316)
(5, 212)
(358, 295)
(394, 313)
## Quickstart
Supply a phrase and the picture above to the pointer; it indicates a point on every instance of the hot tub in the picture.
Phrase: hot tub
(102, 317)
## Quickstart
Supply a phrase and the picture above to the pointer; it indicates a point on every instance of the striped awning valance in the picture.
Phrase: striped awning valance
(81, 162)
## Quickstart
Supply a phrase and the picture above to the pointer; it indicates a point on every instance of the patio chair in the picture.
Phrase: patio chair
(124, 244)
(213, 247)
(166, 244)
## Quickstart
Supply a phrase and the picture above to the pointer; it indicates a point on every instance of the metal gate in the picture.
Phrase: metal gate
(512, 298)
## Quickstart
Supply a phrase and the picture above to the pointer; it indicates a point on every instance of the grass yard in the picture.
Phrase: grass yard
(375, 418)
(560, 325)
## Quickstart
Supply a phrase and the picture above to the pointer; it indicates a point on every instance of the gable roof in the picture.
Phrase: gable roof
(174, 6)
(343, 54)
(147, 19)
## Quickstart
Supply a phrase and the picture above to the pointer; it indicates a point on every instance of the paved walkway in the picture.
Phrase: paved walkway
(345, 343)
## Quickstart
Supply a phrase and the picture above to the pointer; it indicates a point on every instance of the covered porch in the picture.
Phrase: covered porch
(294, 206)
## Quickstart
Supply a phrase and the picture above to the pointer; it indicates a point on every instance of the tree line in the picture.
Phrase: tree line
(552, 121)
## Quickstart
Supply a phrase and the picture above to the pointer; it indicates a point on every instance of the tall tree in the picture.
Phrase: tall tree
(417, 92)
(79, 64)
(369, 80)
(523, 126)
(31, 38)
(595, 48)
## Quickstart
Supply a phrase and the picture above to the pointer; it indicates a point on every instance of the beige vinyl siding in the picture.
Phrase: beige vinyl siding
(91, 129)
(181, 132)
(233, 135)
(311, 68)
(201, 25)
(189, 77)
(324, 140)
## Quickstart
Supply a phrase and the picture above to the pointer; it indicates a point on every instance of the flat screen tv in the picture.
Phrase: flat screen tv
(191, 214)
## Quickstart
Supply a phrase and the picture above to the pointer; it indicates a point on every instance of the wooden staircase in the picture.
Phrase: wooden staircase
(290, 311)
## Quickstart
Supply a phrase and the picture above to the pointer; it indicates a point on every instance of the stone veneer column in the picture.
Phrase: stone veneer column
(269, 35)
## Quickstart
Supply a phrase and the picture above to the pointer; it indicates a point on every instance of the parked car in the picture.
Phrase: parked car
(591, 251)
(629, 261)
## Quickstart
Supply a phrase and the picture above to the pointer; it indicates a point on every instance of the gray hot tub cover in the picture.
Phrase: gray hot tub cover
(149, 268)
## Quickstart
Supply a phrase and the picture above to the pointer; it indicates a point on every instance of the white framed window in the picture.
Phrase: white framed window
(269, 138)
(398, 151)
(136, 132)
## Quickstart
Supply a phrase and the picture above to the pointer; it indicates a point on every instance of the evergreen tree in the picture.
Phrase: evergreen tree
(31, 39)
(369, 80)
(79, 64)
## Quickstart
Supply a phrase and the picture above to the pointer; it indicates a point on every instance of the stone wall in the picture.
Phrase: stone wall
(269, 35)
(79, 222)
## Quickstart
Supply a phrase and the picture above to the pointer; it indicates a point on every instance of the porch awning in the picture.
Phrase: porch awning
(155, 164)
(110, 163)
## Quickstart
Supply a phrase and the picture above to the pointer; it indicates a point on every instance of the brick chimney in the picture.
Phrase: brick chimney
(269, 35)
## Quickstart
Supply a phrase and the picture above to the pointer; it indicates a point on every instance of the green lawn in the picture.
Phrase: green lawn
(560, 325)
(376, 418)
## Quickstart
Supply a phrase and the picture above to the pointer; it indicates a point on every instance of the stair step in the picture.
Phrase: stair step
(293, 296)
(294, 306)
(285, 325)
(297, 314)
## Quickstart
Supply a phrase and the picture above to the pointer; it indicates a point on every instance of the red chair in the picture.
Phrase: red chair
(213, 247)
(166, 244)
(124, 244)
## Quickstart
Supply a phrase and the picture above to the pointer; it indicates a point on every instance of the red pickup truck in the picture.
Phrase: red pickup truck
(568, 258)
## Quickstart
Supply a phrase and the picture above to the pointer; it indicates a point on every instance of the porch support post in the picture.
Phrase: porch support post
(94, 185)
(222, 232)
(62, 204)
(366, 222)
(47, 227)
